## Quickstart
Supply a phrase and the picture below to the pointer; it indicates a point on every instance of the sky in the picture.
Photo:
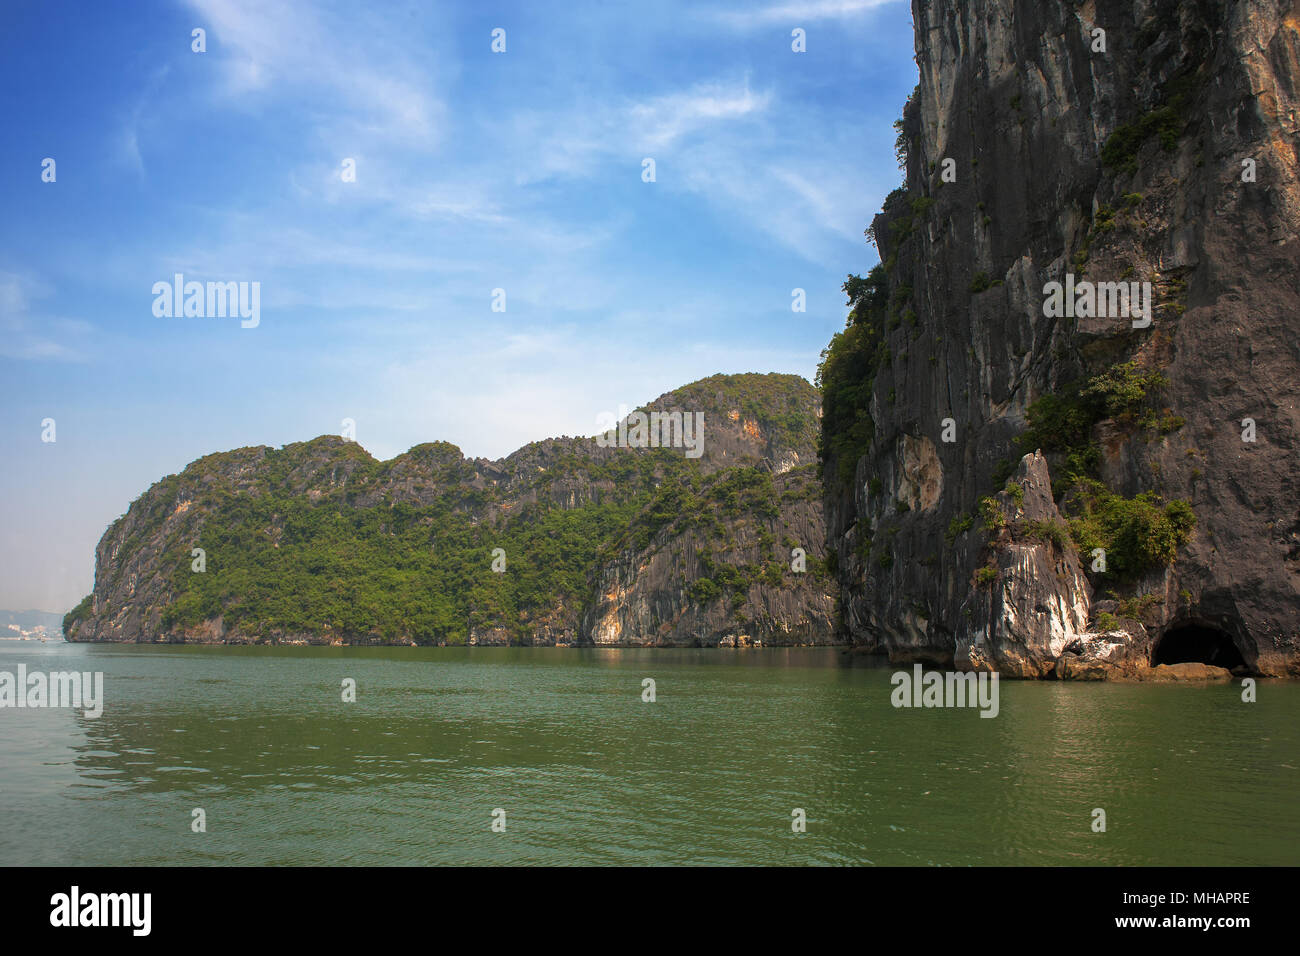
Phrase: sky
(380, 172)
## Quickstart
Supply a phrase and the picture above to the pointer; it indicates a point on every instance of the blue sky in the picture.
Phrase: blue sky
(475, 171)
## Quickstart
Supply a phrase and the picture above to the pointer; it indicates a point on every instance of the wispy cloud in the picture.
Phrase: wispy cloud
(804, 201)
(665, 120)
(128, 134)
(573, 140)
(28, 336)
(129, 148)
(357, 66)
(798, 12)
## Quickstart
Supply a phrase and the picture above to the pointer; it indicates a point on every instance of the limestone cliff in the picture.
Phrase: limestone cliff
(318, 542)
(1133, 141)
(709, 576)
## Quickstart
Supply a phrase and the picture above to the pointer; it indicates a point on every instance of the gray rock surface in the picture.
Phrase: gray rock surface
(1014, 93)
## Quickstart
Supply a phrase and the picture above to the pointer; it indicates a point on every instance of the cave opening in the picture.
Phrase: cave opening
(1197, 643)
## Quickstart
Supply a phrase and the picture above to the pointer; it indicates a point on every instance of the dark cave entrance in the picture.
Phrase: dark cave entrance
(1197, 643)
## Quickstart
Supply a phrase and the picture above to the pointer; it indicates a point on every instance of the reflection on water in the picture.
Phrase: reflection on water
(287, 773)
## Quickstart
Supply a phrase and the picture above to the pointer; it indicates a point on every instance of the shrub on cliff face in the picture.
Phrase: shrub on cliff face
(671, 499)
(906, 130)
(80, 612)
(1137, 533)
(703, 591)
(958, 526)
(1062, 424)
(1121, 390)
(1166, 121)
(1043, 530)
(847, 374)
(1057, 423)
(991, 514)
(867, 296)
(747, 490)
(1107, 622)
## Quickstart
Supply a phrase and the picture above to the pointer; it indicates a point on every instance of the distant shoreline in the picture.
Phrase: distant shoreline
(759, 645)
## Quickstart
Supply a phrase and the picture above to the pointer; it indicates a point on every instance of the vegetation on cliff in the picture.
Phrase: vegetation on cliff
(847, 372)
(1137, 533)
(1063, 423)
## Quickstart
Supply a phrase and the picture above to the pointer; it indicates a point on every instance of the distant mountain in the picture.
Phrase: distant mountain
(719, 541)
(29, 621)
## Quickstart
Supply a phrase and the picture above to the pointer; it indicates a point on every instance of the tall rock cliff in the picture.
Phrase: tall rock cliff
(715, 537)
(1060, 488)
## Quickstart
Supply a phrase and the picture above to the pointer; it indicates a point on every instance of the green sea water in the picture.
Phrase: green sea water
(587, 772)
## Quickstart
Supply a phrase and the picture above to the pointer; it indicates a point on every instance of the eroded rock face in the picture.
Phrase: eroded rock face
(920, 482)
(1013, 92)
(1021, 621)
(650, 595)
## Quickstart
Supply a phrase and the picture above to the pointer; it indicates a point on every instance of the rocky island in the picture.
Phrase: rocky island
(566, 541)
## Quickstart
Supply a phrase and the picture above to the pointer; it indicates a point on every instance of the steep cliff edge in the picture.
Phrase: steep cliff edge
(1163, 513)
(318, 542)
(740, 559)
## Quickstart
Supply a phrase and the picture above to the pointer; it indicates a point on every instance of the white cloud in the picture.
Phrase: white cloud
(572, 141)
(799, 12)
(354, 66)
(804, 199)
(128, 135)
(664, 120)
(129, 148)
